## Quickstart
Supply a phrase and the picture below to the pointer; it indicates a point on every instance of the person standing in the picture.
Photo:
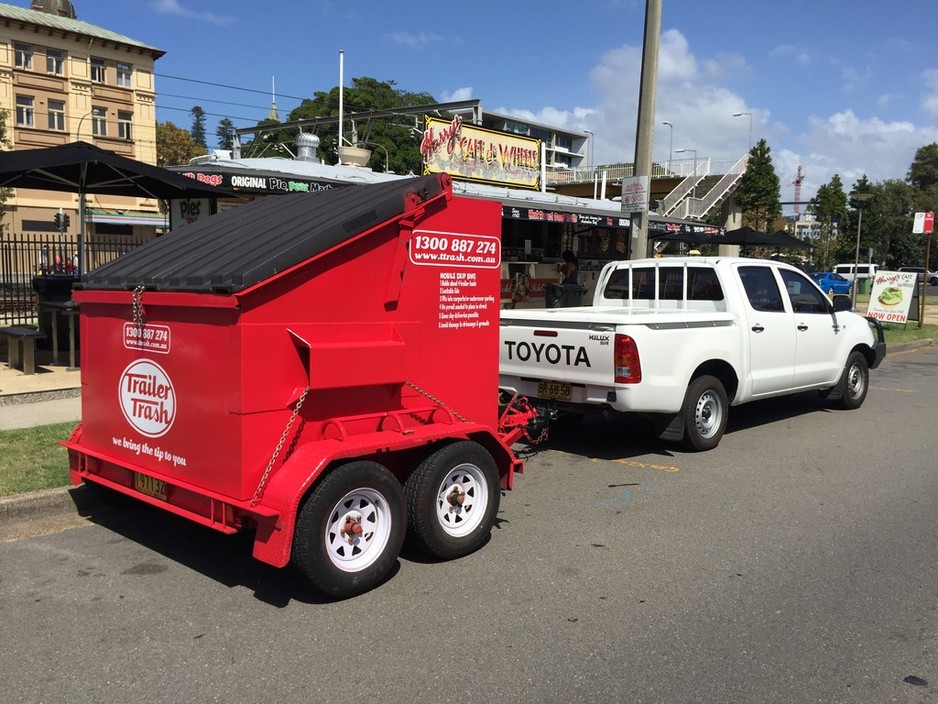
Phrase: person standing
(571, 269)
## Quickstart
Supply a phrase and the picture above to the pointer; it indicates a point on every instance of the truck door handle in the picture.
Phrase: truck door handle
(802, 327)
(757, 328)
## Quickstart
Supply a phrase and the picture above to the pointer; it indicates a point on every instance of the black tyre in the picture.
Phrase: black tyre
(350, 530)
(705, 413)
(854, 383)
(452, 500)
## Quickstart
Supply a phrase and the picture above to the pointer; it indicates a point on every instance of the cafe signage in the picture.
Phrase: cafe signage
(480, 155)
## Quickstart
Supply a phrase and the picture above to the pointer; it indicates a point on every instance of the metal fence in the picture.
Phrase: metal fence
(26, 258)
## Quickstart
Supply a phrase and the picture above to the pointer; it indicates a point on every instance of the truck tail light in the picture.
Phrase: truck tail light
(628, 368)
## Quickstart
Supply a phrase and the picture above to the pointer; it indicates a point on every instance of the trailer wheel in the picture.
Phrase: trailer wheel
(705, 413)
(350, 530)
(452, 499)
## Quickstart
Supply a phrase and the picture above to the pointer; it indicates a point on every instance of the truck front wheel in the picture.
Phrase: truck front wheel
(452, 499)
(705, 413)
(855, 382)
(350, 530)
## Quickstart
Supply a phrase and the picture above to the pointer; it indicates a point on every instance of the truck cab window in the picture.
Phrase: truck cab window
(703, 285)
(761, 289)
(804, 296)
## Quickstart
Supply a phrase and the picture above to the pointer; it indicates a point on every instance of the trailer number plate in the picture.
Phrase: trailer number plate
(554, 390)
(150, 486)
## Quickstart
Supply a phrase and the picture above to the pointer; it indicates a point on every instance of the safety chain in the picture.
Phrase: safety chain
(283, 439)
(138, 306)
(436, 401)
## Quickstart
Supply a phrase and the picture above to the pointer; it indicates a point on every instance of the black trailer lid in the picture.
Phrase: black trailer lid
(231, 251)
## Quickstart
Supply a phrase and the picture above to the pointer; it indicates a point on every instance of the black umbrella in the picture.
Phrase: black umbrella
(83, 168)
(748, 235)
(783, 239)
(688, 237)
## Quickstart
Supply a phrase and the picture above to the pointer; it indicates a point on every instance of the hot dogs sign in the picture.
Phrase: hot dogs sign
(476, 154)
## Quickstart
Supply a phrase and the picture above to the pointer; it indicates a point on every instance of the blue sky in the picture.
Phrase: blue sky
(837, 87)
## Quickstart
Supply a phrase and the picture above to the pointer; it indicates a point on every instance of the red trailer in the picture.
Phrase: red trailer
(321, 369)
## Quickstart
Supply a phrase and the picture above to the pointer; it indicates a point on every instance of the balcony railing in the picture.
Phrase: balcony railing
(677, 168)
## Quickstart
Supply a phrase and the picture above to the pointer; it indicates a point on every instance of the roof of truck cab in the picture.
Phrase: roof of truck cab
(230, 251)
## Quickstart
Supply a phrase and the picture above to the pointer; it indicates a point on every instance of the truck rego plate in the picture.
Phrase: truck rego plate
(150, 486)
(554, 390)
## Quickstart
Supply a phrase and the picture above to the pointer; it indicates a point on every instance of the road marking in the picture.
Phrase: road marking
(641, 465)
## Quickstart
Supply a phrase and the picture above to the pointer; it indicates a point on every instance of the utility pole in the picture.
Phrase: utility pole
(645, 126)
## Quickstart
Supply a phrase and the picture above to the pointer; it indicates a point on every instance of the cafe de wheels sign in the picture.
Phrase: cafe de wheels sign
(476, 154)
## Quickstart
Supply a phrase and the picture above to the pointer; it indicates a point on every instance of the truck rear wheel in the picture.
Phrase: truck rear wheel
(350, 530)
(705, 413)
(452, 499)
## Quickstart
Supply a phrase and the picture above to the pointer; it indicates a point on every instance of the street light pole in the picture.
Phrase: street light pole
(670, 143)
(694, 175)
(859, 200)
(589, 149)
(78, 132)
(741, 114)
(387, 168)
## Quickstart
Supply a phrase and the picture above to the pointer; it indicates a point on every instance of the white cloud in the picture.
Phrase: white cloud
(457, 95)
(172, 7)
(415, 40)
(692, 94)
(790, 51)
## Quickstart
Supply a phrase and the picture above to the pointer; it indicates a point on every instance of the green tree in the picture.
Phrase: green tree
(887, 226)
(395, 134)
(175, 145)
(198, 126)
(759, 191)
(829, 206)
(924, 169)
(225, 133)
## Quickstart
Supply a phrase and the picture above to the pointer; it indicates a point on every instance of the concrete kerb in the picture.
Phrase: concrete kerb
(50, 503)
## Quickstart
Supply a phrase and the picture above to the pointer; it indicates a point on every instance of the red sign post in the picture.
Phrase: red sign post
(924, 224)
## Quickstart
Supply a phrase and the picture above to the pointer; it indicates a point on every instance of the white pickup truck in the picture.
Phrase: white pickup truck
(683, 339)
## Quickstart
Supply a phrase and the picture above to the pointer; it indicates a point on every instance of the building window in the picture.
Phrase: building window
(55, 62)
(24, 111)
(124, 125)
(516, 127)
(98, 67)
(24, 56)
(99, 122)
(564, 143)
(124, 72)
(57, 115)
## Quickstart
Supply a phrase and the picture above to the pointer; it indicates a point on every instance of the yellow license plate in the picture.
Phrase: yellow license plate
(554, 390)
(150, 486)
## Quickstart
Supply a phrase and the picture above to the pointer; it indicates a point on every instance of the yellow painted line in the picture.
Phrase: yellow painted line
(642, 465)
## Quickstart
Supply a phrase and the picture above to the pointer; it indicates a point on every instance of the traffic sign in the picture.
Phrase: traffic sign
(924, 223)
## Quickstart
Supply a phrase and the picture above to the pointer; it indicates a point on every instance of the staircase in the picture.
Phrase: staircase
(704, 191)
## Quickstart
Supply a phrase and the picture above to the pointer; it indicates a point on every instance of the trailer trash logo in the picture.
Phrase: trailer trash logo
(147, 398)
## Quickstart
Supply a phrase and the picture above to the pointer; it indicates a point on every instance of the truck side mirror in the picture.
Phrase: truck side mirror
(842, 303)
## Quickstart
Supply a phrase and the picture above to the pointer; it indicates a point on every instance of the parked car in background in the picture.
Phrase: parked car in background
(930, 276)
(831, 283)
(863, 271)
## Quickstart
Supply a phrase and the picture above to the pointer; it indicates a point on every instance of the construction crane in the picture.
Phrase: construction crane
(797, 184)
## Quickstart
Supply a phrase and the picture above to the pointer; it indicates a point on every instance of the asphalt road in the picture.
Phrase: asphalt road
(794, 563)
